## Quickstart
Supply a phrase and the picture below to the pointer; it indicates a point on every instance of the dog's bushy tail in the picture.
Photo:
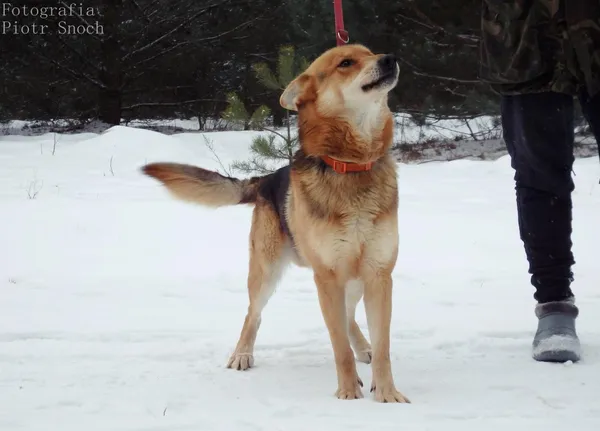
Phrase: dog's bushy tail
(201, 186)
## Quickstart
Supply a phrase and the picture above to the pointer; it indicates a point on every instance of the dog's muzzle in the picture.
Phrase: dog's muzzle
(387, 70)
(387, 64)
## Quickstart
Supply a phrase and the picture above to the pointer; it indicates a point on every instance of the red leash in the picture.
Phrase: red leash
(341, 35)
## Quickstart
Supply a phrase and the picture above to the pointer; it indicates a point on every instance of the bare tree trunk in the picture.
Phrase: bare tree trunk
(111, 74)
(277, 115)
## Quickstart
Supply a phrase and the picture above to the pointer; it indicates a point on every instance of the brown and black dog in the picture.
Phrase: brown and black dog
(334, 209)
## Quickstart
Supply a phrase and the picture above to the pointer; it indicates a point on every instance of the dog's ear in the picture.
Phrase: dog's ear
(298, 92)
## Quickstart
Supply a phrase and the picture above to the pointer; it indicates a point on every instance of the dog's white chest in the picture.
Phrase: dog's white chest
(357, 241)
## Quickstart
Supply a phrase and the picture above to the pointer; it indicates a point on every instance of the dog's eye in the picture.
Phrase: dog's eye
(347, 62)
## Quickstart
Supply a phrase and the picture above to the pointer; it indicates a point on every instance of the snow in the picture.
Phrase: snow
(407, 131)
(120, 306)
(557, 343)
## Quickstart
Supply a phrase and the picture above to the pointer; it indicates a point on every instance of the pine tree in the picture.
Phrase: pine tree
(276, 146)
(236, 112)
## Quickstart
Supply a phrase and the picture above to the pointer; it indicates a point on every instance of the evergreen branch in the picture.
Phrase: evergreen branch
(285, 66)
(285, 138)
(304, 63)
(253, 165)
(236, 111)
(265, 76)
(259, 116)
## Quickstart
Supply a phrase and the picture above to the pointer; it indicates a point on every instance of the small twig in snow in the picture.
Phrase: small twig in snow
(471, 130)
(209, 145)
(33, 190)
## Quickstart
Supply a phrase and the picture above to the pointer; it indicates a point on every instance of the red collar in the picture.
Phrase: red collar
(343, 167)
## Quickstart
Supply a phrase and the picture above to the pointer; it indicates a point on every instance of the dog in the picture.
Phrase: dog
(333, 209)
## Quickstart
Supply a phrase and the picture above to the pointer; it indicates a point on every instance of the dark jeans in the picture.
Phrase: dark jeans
(538, 131)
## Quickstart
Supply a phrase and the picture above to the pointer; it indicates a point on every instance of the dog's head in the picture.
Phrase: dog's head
(341, 101)
(346, 81)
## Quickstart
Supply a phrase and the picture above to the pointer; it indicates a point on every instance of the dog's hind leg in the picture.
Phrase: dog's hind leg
(362, 348)
(269, 255)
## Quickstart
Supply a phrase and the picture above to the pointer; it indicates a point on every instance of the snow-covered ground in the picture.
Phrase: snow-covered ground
(117, 311)
(407, 131)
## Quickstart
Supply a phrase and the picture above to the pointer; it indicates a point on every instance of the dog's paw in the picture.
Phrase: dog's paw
(359, 381)
(241, 361)
(388, 394)
(364, 356)
(350, 392)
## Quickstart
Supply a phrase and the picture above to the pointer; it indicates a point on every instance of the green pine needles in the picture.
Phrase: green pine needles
(276, 146)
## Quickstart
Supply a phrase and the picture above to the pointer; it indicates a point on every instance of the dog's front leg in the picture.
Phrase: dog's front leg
(333, 306)
(378, 307)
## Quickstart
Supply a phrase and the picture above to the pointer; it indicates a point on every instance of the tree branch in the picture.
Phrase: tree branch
(82, 19)
(274, 132)
(140, 10)
(73, 73)
(417, 72)
(185, 102)
(174, 29)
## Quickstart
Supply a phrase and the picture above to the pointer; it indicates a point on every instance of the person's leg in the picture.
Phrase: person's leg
(538, 131)
(591, 110)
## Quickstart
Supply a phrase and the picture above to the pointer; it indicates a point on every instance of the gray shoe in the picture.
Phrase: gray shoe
(556, 338)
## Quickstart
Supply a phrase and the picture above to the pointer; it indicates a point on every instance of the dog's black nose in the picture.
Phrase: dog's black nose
(387, 62)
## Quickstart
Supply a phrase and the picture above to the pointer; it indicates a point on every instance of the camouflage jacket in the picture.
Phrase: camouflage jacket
(541, 45)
